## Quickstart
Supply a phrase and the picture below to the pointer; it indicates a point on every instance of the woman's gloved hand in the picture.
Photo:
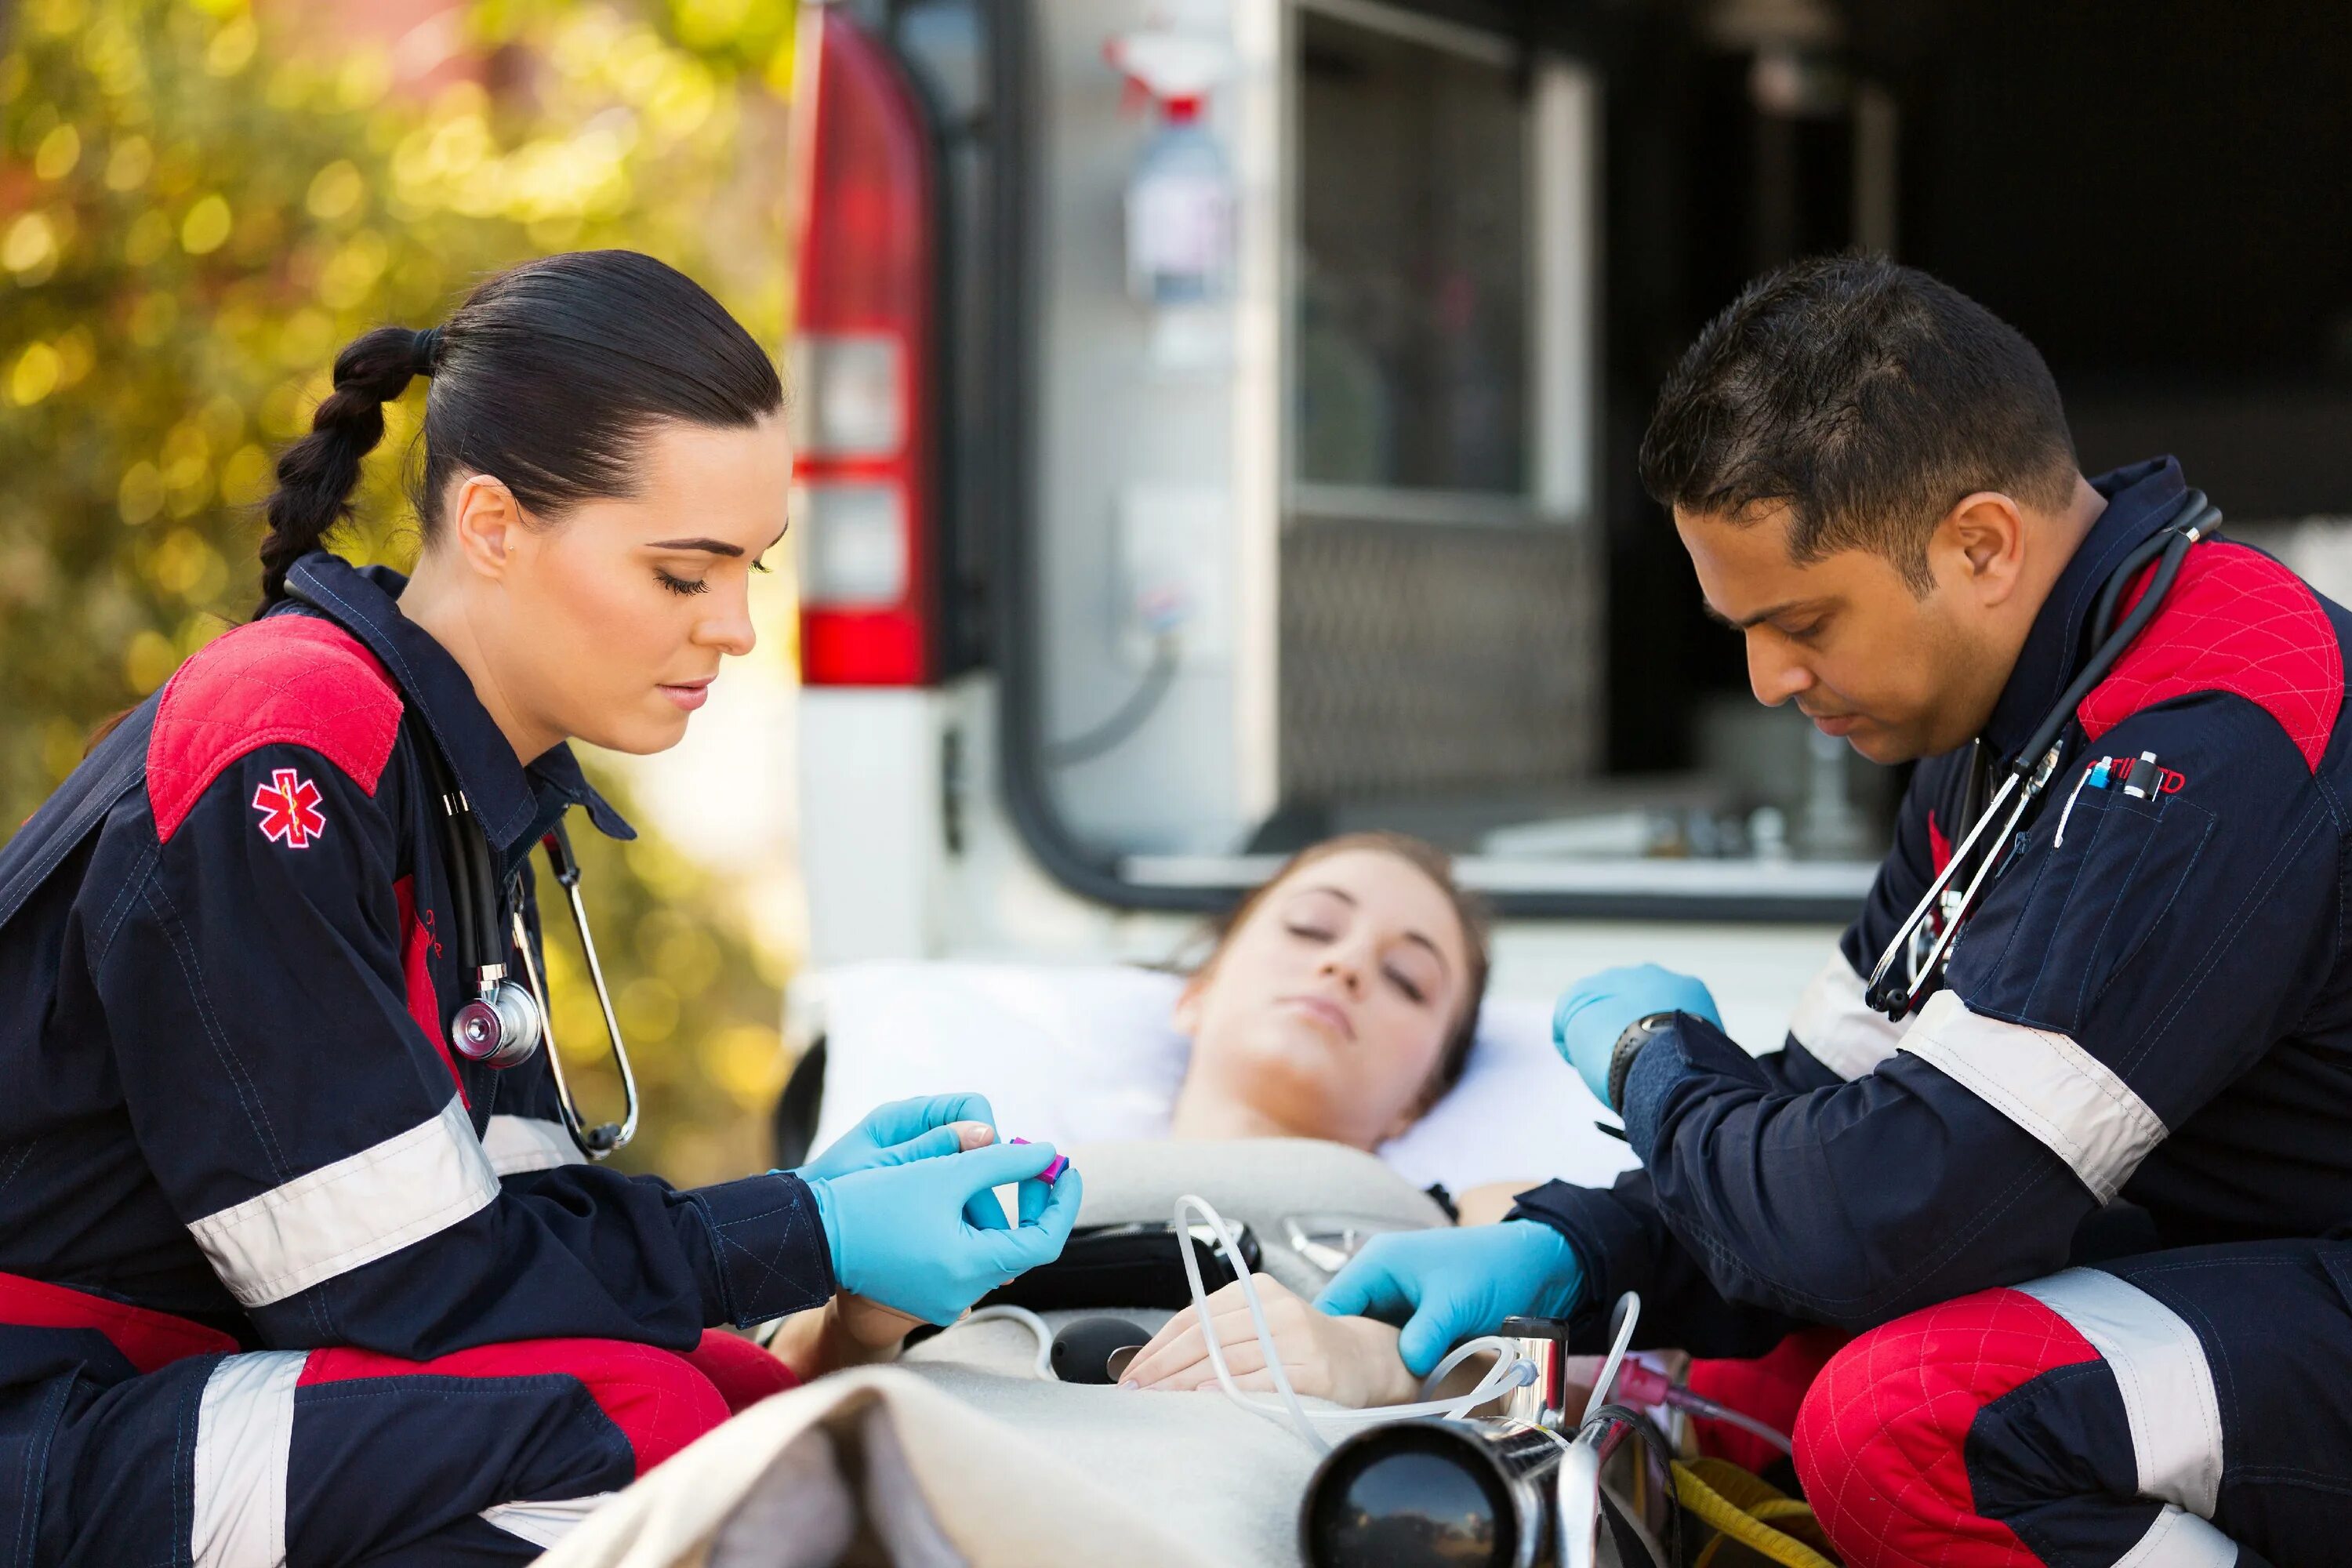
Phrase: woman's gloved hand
(1445, 1286)
(907, 1130)
(900, 1234)
(1597, 1009)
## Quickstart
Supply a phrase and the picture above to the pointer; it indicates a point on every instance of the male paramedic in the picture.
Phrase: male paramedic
(2139, 1058)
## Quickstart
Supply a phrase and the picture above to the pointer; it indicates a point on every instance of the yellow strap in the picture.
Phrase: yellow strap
(1736, 1505)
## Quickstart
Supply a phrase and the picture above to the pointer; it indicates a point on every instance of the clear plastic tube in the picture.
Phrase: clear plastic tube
(1700, 1405)
(1637, 1384)
(1034, 1323)
(1509, 1372)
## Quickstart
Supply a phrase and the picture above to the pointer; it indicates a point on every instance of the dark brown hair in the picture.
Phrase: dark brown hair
(548, 378)
(1469, 908)
(1865, 397)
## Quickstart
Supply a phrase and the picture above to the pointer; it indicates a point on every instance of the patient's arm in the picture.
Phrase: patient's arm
(1349, 1361)
(1487, 1204)
(848, 1330)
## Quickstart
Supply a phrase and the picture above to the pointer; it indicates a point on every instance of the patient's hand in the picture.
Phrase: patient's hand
(1349, 1361)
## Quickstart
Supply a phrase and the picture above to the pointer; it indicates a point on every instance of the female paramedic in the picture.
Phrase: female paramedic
(297, 1261)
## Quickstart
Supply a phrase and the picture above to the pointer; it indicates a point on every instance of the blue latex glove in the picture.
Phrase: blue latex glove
(901, 1130)
(905, 1236)
(1600, 1007)
(1446, 1286)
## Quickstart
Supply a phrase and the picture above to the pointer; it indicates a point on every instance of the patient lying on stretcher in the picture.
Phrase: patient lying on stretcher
(1338, 1002)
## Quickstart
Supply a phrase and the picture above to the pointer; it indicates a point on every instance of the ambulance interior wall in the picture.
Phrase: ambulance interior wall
(2155, 192)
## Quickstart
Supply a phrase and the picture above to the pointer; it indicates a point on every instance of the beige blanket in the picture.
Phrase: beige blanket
(959, 1455)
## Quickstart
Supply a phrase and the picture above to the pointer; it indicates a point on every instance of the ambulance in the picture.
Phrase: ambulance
(1217, 428)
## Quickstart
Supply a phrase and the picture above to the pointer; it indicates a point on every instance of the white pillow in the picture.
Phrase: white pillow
(1088, 1055)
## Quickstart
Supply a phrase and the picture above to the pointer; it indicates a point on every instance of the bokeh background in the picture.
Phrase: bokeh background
(201, 201)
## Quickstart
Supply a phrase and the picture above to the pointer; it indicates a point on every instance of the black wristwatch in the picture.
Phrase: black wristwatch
(1629, 1046)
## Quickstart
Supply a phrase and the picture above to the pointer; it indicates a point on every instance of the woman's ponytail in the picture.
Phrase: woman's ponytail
(549, 378)
(318, 473)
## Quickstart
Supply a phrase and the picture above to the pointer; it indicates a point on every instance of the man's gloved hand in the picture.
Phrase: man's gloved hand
(1597, 1009)
(900, 1234)
(906, 1129)
(1445, 1286)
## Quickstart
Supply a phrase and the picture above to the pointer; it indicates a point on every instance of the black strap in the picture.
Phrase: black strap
(73, 811)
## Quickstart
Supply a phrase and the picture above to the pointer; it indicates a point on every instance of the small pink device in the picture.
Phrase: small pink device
(1052, 1173)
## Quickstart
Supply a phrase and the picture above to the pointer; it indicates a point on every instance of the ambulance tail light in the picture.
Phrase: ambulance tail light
(862, 375)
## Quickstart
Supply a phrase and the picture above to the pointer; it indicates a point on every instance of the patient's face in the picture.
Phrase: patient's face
(1326, 1009)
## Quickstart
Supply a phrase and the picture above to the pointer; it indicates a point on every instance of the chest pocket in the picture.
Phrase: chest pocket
(2069, 916)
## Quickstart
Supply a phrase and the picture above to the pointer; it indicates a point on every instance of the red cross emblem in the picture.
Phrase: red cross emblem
(289, 809)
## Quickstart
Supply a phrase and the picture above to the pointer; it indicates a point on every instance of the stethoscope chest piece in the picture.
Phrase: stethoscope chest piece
(505, 1023)
(501, 1028)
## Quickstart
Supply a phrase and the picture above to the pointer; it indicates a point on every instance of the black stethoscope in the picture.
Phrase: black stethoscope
(1913, 963)
(506, 1021)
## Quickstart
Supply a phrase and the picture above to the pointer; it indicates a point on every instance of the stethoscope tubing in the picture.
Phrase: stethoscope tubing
(2193, 517)
(476, 903)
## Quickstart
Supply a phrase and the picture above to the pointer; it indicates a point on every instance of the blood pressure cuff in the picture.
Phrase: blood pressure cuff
(1140, 1264)
(1308, 1202)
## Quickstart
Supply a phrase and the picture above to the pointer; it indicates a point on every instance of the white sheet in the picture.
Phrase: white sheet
(1087, 1055)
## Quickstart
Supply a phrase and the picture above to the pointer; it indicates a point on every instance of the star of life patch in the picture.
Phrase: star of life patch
(290, 810)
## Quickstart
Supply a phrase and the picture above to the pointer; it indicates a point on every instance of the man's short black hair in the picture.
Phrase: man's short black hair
(1866, 397)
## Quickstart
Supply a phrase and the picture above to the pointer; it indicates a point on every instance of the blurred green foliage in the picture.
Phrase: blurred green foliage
(199, 204)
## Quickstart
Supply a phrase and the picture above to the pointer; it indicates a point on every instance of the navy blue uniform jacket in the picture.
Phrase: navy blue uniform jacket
(2146, 1033)
(223, 1028)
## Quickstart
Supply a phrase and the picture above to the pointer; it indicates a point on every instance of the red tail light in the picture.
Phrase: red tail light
(861, 364)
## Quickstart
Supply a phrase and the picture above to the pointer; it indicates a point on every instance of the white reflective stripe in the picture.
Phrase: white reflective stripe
(2048, 1085)
(244, 1430)
(544, 1524)
(529, 1143)
(2179, 1539)
(2168, 1388)
(363, 1207)
(1844, 1033)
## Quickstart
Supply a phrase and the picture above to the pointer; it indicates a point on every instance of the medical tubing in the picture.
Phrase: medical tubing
(1035, 1325)
(1509, 1372)
(2193, 516)
(2192, 521)
(1637, 1384)
(1297, 1412)
(1699, 1404)
(1484, 1344)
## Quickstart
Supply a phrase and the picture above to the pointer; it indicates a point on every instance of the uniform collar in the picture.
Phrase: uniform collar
(2140, 500)
(514, 803)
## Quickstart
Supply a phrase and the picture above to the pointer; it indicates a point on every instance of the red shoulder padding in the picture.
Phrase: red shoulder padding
(2235, 621)
(291, 679)
(1881, 1440)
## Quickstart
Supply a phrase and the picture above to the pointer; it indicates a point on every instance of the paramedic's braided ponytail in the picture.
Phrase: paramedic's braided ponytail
(548, 379)
(318, 473)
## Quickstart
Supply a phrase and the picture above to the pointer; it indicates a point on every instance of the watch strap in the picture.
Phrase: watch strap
(1629, 1046)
